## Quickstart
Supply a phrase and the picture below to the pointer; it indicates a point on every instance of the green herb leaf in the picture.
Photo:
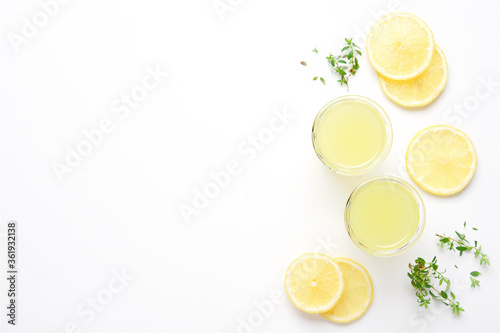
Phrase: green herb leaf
(474, 282)
(322, 80)
(462, 245)
(315, 51)
(315, 78)
(345, 65)
(425, 276)
(420, 279)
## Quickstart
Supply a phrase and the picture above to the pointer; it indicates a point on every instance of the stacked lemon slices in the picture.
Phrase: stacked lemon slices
(339, 289)
(412, 70)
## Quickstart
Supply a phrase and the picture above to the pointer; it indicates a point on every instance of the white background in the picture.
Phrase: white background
(119, 208)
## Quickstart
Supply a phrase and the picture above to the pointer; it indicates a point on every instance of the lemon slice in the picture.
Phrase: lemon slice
(441, 159)
(400, 46)
(314, 282)
(357, 295)
(420, 90)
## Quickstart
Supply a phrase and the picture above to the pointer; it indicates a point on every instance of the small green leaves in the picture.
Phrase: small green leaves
(474, 282)
(427, 279)
(462, 249)
(346, 64)
(303, 63)
(461, 236)
(455, 308)
(461, 244)
(320, 78)
(484, 260)
(420, 275)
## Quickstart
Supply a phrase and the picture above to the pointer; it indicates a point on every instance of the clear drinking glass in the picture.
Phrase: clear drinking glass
(352, 135)
(384, 216)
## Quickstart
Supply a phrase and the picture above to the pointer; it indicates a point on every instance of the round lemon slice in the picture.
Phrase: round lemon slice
(314, 282)
(441, 159)
(357, 295)
(420, 90)
(400, 46)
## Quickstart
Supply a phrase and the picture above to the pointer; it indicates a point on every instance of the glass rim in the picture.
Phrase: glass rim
(353, 171)
(421, 216)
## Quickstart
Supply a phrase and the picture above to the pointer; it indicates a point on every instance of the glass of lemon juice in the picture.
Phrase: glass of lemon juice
(384, 216)
(352, 135)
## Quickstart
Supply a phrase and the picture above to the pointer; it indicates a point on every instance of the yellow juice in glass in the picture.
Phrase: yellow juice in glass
(385, 216)
(352, 135)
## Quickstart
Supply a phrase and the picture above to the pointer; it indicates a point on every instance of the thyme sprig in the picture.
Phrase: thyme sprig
(422, 277)
(346, 64)
(461, 244)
